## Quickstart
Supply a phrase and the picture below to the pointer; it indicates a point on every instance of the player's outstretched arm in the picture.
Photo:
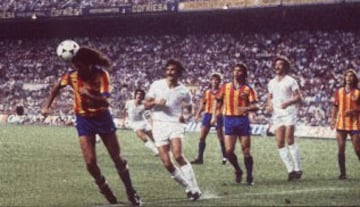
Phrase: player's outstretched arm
(53, 93)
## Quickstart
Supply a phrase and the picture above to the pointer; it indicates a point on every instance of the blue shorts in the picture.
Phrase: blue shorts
(350, 132)
(100, 124)
(237, 125)
(206, 121)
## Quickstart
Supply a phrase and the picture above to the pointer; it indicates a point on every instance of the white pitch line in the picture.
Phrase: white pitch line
(206, 195)
(293, 191)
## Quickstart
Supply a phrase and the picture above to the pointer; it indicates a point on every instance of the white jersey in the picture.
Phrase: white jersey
(283, 91)
(135, 112)
(175, 98)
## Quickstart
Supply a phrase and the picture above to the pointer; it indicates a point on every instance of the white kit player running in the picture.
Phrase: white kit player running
(135, 114)
(167, 98)
(283, 98)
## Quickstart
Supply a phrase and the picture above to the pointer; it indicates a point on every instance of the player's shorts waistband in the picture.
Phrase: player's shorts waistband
(241, 116)
(93, 114)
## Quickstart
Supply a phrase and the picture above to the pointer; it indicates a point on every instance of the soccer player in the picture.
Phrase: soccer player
(91, 87)
(168, 97)
(283, 99)
(135, 112)
(345, 117)
(237, 99)
(207, 105)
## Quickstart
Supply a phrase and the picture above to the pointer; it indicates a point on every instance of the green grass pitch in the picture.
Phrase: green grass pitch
(43, 166)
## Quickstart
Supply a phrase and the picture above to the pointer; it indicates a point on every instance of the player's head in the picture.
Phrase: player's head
(139, 93)
(87, 57)
(281, 64)
(172, 66)
(350, 77)
(216, 75)
(215, 79)
(240, 71)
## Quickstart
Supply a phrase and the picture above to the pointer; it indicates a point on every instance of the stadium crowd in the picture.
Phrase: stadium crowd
(29, 67)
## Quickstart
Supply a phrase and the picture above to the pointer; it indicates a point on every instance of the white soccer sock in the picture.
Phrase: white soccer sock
(284, 155)
(295, 154)
(179, 178)
(188, 172)
(149, 144)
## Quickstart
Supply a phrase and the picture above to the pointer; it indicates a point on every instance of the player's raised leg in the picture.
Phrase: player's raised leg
(148, 141)
(87, 144)
(113, 147)
(176, 174)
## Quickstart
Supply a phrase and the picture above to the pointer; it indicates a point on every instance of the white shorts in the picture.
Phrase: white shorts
(140, 125)
(163, 132)
(278, 121)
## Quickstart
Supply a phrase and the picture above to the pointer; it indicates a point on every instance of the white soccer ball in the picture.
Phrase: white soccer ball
(67, 49)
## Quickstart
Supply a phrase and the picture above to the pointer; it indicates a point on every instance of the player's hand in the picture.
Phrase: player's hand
(197, 118)
(332, 124)
(284, 105)
(213, 121)
(160, 102)
(242, 110)
(181, 119)
(45, 111)
(269, 108)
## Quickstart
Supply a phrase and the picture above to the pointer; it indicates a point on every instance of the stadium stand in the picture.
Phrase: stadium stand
(203, 41)
(318, 56)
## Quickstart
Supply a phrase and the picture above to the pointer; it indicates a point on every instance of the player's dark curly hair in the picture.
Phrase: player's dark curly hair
(140, 91)
(179, 67)
(90, 56)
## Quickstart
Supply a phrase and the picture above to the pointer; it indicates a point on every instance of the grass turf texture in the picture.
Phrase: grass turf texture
(43, 166)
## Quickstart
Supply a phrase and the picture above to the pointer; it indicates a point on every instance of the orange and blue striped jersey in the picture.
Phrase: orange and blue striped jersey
(97, 85)
(234, 98)
(209, 100)
(347, 101)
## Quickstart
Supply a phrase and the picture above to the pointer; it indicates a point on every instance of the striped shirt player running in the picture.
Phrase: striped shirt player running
(91, 87)
(237, 99)
(345, 117)
(207, 106)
